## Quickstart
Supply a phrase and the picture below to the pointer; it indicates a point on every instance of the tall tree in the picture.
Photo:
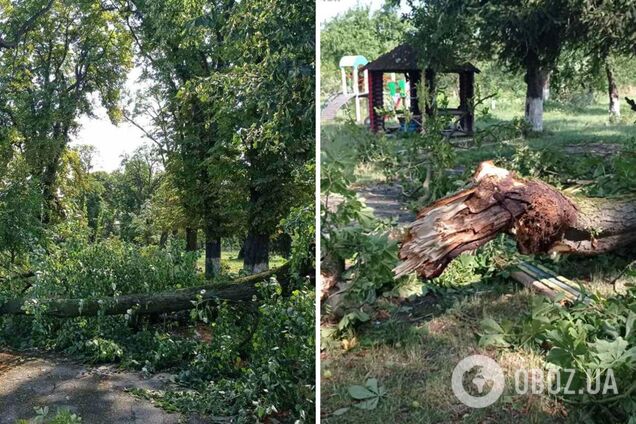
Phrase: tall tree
(359, 31)
(272, 74)
(522, 35)
(73, 52)
(607, 29)
(182, 42)
(21, 17)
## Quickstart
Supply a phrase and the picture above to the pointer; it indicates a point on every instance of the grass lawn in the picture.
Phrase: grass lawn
(411, 347)
(232, 264)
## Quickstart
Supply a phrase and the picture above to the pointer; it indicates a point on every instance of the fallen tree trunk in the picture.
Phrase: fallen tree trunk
(540, 218)
(241, 289)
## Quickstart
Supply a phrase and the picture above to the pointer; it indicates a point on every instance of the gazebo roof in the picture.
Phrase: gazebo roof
(353, 61)
(404, 58)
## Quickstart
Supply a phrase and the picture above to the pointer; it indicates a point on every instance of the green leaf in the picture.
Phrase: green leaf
(493, 340)
(372, 384)
(368, 404)
(491, 326)
(610, 353)
(360, 392)
(560, 357)
(629, 325)
(341, 411)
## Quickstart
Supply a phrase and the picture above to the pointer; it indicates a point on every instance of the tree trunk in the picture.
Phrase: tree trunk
(541, 218)
(256, 252)
(49, 174)
(614, 101)
(163, 239)
(546, 87)
(241, 289)
(212, 254)
(241, 252)
(535, 79)
(191, 239)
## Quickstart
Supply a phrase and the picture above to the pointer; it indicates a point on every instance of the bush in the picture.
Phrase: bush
(265, 365)
(590, 339)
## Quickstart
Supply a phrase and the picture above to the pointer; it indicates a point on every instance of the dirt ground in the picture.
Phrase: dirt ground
(97, 394)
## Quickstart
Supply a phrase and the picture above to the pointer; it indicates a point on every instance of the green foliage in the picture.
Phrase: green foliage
(518, 34)
(358, 31)
(595, 175)
(73, 52)
(20, 203)
(300, 225)
(368, 395)
(349, 229)
(102, 350)
(239, 164)
(62, 416)
(113, 268)
(261, 354)
(81, 270)
(587, 338)
(608, 26)
(227, 101)
(273, 376)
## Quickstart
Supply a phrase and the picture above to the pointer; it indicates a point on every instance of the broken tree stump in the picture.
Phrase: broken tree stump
(537, 215)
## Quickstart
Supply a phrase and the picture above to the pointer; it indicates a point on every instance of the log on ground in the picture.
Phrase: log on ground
(239, 290)
(541, 218)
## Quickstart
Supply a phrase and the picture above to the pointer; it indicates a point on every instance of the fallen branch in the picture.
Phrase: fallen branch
(241, 289)
(540, 217)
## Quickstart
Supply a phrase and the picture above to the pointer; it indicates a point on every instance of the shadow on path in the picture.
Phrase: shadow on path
(98, 395)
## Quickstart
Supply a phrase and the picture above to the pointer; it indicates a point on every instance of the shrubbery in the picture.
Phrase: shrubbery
(590, 339)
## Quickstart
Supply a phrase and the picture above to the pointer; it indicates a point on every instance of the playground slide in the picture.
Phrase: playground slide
(334, 105)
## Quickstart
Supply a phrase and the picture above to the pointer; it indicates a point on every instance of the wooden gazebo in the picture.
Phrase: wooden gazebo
(404, 59)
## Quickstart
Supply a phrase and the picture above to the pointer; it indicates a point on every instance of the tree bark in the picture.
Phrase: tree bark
(191, 239)
(241, 289)
(535, 80)
(256, 252)
(540, 218)
(163, 239)
(241, 252)
(49, 173)
(612, 88)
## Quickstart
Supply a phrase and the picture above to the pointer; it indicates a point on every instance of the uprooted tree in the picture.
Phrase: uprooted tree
(541, 218)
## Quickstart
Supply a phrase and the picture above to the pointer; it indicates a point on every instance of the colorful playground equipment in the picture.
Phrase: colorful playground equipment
(346, 62)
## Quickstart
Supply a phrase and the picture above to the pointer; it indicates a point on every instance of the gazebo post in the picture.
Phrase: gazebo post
(376, 99)
(466, 93)
(343, 74)
(366, 79)
(356, 92)
(414, 79)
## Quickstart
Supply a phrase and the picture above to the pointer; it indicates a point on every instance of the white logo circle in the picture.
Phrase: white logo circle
(489, 373)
